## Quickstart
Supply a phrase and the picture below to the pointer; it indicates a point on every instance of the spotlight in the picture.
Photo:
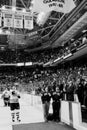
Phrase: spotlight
(31, 8)
(32, 2)
(0, 31)
(13, 8)
(3, 7)
(24, 10)
(2, 48)
(7, 32)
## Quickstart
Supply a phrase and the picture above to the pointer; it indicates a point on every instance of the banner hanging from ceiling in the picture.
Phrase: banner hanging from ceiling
(0, 19)
(18, 21)
(28, 22)
(70, 5)
(63, 6)
(8, 20)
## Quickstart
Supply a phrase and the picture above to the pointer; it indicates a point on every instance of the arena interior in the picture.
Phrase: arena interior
(43, 44)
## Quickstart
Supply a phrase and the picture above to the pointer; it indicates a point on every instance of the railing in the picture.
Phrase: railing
(66, 19)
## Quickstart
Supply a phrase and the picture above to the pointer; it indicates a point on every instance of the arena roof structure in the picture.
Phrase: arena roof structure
(48, 29)
(36, 38)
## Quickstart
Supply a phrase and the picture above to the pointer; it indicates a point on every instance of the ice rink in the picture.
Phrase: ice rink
(31, 118)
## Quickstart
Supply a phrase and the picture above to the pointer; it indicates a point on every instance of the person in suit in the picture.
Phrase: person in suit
(56, 97)
(46, 97)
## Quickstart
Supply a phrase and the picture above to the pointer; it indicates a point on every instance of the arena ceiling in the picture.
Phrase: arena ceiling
(30, 39)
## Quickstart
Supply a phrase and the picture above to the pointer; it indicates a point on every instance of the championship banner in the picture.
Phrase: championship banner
(18, 21)
(28, 22)
(0, 19)
(70, 5)
(8, 20)
(50, 5)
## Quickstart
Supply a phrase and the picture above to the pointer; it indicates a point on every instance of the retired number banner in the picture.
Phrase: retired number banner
(18, 21)
(0, 19)
(28, 22)
(8, 20)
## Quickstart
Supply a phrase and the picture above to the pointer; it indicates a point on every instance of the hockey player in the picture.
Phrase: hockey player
(6, 97)
(14, 104)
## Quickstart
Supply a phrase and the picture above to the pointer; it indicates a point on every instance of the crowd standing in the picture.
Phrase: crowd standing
(71, 81)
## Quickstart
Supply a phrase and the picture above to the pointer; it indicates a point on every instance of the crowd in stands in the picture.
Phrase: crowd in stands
(71, 81)
(44, 56)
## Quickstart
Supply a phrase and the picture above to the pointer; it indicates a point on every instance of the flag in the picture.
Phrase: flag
(28, 22)
(18, 21)
(8, 20)
(53, 5)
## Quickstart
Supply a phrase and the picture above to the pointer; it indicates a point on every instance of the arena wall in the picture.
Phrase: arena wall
(70, 112)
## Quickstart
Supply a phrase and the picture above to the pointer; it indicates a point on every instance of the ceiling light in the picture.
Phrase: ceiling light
(13, 8)
(24, 10)
(2, 48)
(31, 8)
(3, 7)
(72, 39)
(49, 23)
(32, 2)
(84, 31)
(0, 31)
(7, 32)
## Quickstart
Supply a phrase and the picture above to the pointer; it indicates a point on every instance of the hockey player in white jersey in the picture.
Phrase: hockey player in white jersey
(14, 104)
(6, 97)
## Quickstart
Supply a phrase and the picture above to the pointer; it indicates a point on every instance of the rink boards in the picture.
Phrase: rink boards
(31, 112)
